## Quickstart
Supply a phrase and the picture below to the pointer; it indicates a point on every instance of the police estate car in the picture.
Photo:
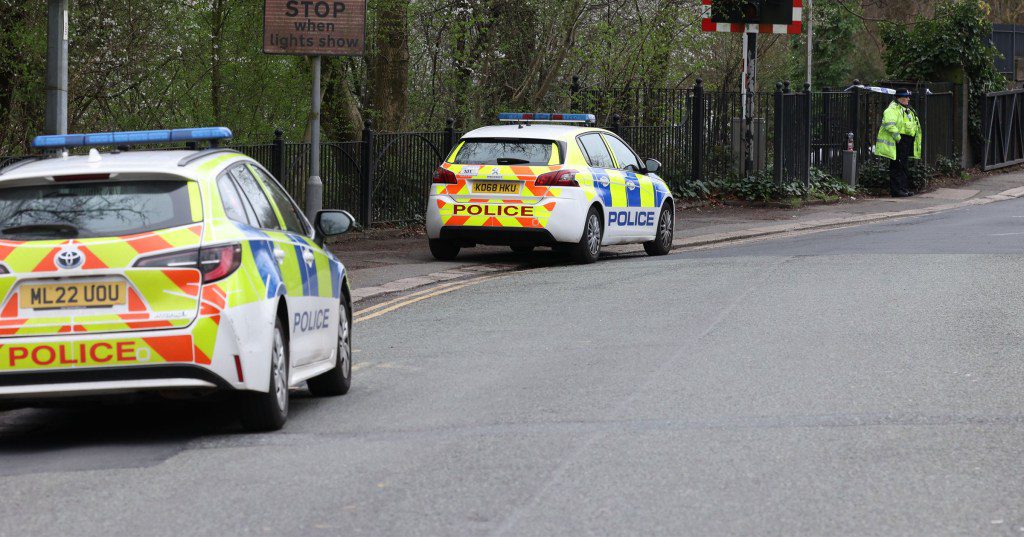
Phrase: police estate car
(538, 184)
(177, 270)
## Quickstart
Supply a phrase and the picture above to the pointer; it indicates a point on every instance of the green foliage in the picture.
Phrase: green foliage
(874, 174)
(948, 166)
(825, 185)
(762, 188)
(954, 44)
(834, 27)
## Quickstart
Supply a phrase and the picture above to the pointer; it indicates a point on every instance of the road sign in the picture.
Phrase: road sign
(314, 27)
(752, 16)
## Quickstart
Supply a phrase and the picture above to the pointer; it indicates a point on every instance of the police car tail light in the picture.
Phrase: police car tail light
(444, 176)
(218, 262)
(215, 262)
(557, 178)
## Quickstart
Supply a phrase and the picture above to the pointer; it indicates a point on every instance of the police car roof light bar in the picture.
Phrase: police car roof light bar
(54, 141)
(545, 117)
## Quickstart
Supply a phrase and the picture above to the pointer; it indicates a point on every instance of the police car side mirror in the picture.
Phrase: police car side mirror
(652, 165)
(332, 222)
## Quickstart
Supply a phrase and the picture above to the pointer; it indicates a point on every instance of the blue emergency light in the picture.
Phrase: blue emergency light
(132, 137)
(546, 117)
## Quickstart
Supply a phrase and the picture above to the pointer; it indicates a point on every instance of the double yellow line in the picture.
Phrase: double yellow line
(387, 306)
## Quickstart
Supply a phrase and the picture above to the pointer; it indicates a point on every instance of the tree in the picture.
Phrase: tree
(388, 64)
(953, 45)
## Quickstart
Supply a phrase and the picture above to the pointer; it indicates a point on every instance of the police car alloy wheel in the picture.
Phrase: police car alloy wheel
(338, 380)
(589, 247)
(269, 411)
(662, 243)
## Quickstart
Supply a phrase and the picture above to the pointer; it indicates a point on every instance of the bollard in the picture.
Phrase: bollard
(850, 162)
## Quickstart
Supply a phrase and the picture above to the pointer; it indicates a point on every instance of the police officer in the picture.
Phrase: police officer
(899, 139)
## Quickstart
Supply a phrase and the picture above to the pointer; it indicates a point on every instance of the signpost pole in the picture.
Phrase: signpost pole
(748, 95)
(810, 44)
(57, 67)
(314, 186)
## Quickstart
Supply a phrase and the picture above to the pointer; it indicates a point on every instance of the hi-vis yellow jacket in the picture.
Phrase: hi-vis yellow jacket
(897, 121)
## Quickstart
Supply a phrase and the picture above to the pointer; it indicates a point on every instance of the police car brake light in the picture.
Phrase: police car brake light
(81, 177)
(444, 176)
(218, 262)
(215, 262)
(557, 178)
(546, 117)
(131, 137)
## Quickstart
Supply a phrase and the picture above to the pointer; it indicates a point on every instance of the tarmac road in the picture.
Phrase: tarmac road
(865, 380)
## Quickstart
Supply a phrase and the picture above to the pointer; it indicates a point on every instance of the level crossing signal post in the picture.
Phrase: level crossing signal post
(751, 17)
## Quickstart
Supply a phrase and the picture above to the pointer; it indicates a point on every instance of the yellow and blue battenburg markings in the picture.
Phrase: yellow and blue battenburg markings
(132, 137)
(649, 193)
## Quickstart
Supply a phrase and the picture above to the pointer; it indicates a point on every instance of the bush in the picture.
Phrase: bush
(957, 38)
(874, 174)
(948, 166)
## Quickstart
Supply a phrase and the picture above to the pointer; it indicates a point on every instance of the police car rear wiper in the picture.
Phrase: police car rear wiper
(67, 229)
(511, 160)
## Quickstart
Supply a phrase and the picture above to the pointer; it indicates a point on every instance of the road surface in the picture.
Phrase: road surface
(865, 380)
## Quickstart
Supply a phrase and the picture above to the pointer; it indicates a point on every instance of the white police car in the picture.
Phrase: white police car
(534, 183)
(181, 270)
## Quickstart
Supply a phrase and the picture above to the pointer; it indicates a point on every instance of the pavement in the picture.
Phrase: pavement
(386, 261)
(863, 380)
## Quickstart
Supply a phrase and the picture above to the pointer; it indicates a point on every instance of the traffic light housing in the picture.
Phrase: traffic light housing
(752, 11)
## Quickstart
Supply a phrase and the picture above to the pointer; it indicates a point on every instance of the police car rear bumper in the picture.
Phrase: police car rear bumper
(469, 236)
(108, 380)
(563, 225)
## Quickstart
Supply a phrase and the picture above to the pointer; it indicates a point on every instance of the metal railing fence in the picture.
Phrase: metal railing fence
(384, 177)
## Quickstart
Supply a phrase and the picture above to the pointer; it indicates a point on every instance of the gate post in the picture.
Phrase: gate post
(449, 137)
(366, 176)
(807, 135)
(277, 156)
(854, 125)
(986, 129)
(780, 142)
(697, 142)
(924, 121)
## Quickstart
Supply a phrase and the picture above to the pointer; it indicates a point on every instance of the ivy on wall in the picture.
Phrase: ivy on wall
(954, 45)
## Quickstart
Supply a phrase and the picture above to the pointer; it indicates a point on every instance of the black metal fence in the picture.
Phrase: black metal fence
(384, 178)
(1009, 40)
(1003, 127)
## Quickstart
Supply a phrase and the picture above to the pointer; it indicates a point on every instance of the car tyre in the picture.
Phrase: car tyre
(522, 248)
(589, 248)
(338, 380)
(662, 243)
(444, 250)
(268, 411)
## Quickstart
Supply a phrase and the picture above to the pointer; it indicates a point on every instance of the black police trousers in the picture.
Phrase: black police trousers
(899, 169)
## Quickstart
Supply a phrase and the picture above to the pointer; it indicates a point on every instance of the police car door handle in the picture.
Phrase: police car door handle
(279, 255)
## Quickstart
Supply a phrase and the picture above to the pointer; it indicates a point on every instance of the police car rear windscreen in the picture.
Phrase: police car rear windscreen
(83, 210)
(508, 152)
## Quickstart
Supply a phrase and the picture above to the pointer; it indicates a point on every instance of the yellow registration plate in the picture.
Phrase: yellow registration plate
(496, 187)
(72, 295)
